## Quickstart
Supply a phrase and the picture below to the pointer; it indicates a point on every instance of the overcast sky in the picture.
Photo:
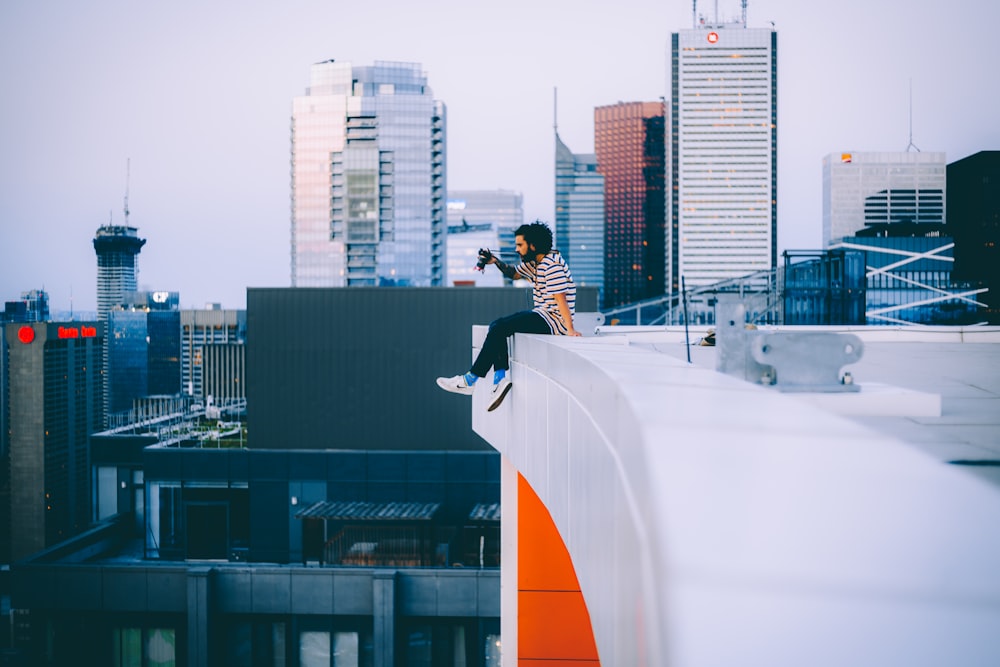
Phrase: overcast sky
(198, 96)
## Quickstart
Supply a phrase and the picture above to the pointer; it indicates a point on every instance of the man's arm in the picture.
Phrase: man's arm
(505, 268)
(563, 306)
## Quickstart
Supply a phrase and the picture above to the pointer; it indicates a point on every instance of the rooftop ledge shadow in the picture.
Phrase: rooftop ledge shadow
(712, 521)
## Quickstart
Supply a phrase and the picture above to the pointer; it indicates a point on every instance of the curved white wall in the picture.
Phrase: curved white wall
(715, 522)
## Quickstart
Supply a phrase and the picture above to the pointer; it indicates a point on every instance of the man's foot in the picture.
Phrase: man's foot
(456, 385)
(500, 391)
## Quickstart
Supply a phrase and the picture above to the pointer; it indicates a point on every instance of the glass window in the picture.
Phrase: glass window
(314, 649)
(127, 649)
(160, 648)
(345, 649)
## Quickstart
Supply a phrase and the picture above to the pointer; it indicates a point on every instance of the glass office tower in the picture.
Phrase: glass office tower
(579, 227)
(368, 178)
(722, 152)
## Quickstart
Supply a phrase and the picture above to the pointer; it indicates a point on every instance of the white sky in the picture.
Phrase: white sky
(198, 96)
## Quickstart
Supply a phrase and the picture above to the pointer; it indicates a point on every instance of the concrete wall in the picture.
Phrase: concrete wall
(712, 522)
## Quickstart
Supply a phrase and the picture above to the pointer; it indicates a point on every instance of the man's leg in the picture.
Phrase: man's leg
(494, 351)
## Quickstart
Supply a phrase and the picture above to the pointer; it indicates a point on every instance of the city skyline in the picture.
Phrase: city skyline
(199, 101)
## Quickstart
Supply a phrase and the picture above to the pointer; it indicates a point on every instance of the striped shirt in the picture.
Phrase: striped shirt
(550, 276)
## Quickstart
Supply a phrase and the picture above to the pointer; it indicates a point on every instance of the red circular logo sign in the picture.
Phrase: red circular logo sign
(713, 37)
(26, 335)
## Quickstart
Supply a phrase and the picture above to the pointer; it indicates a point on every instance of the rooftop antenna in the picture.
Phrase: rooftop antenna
(694, 13)
(555, 109)
(911, 145)
(128, 170)
(744, 3)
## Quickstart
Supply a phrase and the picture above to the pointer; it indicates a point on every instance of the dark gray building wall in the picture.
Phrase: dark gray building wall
(974, 222)
(354, 368)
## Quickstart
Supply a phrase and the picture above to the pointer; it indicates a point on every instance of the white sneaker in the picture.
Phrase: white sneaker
(456, 385)
(500, 391)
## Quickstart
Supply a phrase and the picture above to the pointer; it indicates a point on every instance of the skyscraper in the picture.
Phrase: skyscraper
(722, 152)
(117, 247)
(143, 349)
(368, 178)
(55, 403)
(580, 216)
(879, 188)
(628, 139)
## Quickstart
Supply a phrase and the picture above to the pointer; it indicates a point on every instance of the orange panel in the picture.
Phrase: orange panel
(554, 626)
(543, 564)
(553, 623)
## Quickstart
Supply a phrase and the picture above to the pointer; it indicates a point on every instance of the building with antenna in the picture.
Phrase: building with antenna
(117, 247)
(579, 220)
(881, 188)
(722, 151)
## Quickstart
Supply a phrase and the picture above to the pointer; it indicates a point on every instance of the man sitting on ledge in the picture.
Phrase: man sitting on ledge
(554, 298)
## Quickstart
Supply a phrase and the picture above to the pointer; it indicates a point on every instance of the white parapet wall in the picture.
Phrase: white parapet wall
(714, 522)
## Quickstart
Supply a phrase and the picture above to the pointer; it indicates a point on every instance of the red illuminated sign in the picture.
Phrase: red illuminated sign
(73, 332)
(26, 335)
(713, 37)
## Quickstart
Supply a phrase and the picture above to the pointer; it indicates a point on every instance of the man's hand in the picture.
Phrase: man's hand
(565, 315)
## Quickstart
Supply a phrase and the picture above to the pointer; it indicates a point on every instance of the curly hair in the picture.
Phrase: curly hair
(536, 234)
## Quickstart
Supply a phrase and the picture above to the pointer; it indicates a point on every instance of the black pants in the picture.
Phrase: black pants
(494, 352)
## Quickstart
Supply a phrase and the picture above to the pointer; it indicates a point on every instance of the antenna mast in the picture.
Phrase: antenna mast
(555, 109)
(694, 13)
(128, 169)
(911, 145)
(744, 3)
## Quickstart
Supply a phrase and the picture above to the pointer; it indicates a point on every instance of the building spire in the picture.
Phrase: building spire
(128, 170)
(911, 144)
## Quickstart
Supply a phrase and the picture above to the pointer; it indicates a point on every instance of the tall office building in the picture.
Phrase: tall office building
(143, 349)
(579, 222)
(55, 403)
(628, 139)
(861, 189)
(117, 247)
(974, 223)
(368, 178)
(213, 354)
(722, 167)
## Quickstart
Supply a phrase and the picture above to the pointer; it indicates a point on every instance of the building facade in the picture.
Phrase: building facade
(579, 217)
(721, 153)
(117, 247)
(861, 189)
(481, 219)
(368, 178)
(974, 222)
(54, 403)
(628, 141)
(33, 306)
(464, 242)
(502, 208)
(143, 349)
(213, 354)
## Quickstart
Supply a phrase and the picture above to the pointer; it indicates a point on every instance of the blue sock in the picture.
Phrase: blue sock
(498, 375)
(470, 378)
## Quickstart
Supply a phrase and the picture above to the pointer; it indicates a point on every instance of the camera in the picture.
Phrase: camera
(484, 257)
